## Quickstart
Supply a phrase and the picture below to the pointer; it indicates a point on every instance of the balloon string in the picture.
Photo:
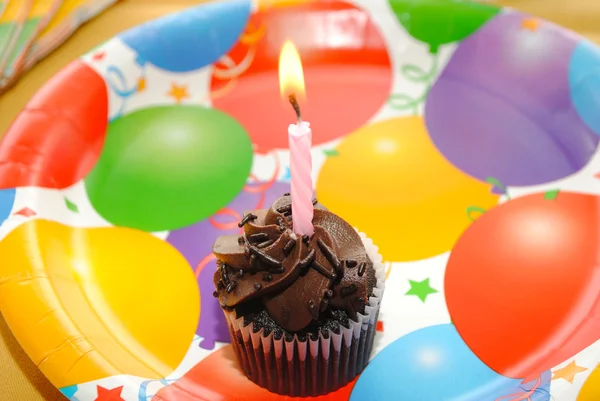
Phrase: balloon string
(495, 182)
(523, 396)
(207, 259)
(415, 74)
(116, 81)
(473, 209)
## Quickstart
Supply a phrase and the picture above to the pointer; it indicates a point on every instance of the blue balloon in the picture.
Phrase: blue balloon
(7, 200)
(584, 83)
(434, 364)
(190, 39)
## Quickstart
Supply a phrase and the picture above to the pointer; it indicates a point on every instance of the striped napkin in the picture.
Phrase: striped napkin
(30, 29)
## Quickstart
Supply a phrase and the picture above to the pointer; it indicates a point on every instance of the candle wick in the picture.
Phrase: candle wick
(296, 106)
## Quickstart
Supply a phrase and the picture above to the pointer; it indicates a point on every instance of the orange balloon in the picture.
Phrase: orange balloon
(522, 283)
(88, 303)
(390, 182)
(218, 377)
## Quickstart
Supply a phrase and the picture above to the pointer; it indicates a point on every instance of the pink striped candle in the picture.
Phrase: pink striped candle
(300, 140)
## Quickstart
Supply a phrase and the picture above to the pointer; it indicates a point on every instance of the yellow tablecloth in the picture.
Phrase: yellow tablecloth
(20, 380)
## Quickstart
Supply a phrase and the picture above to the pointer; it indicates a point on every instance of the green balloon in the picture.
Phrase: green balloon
(438, 22)
(164, 168)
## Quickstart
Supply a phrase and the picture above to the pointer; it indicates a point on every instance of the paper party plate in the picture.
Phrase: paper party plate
(461, 137)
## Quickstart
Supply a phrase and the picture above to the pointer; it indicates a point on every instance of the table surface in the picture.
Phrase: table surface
(21, 380)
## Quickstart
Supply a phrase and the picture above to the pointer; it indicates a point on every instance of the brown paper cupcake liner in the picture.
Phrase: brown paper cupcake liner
(310, 367)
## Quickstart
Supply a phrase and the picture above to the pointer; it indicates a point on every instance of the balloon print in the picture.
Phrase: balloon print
(7, 200)
(438, 22)
(522, 285)
(195, 243)
(346, 68)
(108, 301)
(584, 83)
(56, 141)
(591, 388)
(167, 167)
(219, 374)
(192, 39)
(434, 364)
(492, 112)
(390, 182)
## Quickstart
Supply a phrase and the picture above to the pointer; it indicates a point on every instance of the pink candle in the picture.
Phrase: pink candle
(300, 140)
(291, 83)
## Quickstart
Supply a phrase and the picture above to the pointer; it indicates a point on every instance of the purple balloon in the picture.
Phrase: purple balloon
(195, 243)
(502, 107)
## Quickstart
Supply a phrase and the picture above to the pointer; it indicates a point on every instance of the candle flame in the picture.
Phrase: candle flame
(291, 76)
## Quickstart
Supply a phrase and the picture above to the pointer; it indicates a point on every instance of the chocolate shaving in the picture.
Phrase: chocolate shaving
(246, 219)
(257, 286)
(263, 257)
(351, 263)
(361, 269)
(265, 244)
(348, 290)
(323, 270)
(267, 277)
(308, 260)
(259, 237)
(231, 286)
(329, 254)
(289, 246)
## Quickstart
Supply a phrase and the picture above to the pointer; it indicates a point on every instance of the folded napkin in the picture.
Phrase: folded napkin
(30, 29)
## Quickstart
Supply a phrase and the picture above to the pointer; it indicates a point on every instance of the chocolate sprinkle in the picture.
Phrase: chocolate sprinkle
(240, 273)
(259, 237)
(266, 259)
(215, 294)
(220, 284)
(361, 269)
(253, 260)
(321, 269)
(224, 275)
(289, 246)
(328, 294)
(329, 254)
(231, 286)
(351, 263)
(286, 194)
(266, 243)
(348, 290)
(311, 304)
(284, 209)
(315, 201)
(308, 260)
(246, 219)
(241, 240)
(257, 286)
(305, 238)
(267, 277)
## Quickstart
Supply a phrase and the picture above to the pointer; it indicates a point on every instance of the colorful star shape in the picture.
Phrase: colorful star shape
(105, 394)
(26, 212)
(421, 289)
(568, 372)
(99, 56)
(179, 92)
(531, 24)
(287, 176)
(141, 84)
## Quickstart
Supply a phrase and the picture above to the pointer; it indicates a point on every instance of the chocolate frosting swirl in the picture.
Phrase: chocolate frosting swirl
(298, 280)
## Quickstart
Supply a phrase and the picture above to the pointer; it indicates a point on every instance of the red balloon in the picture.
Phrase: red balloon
(523, 282)
(346, 69)
(218, 378)
(58, 137)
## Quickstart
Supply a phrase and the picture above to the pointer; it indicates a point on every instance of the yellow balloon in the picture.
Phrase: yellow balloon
(591, 388)
(391, 182)
(88, 303)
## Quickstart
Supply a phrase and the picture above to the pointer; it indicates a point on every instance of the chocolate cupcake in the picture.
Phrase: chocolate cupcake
(301, 310)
